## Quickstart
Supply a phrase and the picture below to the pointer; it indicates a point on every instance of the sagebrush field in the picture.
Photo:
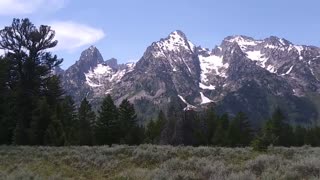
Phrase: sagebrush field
(158, 162)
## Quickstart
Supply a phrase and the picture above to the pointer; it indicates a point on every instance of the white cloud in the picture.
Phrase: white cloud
(21, 7)
(71, 35)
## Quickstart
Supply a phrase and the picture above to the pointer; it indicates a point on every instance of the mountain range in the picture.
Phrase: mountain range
(241, 74)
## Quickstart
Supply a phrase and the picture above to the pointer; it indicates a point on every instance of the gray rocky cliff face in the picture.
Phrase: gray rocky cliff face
(242, 74)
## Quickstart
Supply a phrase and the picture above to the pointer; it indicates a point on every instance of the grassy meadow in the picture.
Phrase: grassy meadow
(158, 162)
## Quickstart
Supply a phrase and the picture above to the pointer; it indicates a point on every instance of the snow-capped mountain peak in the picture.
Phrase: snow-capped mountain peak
(176, 41)
(243, 41)
(241, 74)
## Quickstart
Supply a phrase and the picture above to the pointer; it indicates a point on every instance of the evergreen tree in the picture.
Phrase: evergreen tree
(7, 122)
(168, 131)
(30, 68)
(199, 132)
(239, 131)
(136, 136)
(275, 132)
(220, 135)
(128, 122)
(312, 136)
(150, 132)
(69, 120)
(154, 128)
(86, 121)
(299, 135)
(160, 124)
(107, 123)
(54, 92)
(210, 123)
(261, 141)
(55, 134)
(41, 118)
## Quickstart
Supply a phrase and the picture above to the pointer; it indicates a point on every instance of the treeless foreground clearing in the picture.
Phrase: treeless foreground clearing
(158, 162)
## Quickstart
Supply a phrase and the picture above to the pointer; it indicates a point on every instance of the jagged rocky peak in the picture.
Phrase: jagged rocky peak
(248, 43)
(178, 34)
(276, 41)
(238, 75)
(91, 54)
(241, 40)
(113, 63)
(176, 41)
(89, 58)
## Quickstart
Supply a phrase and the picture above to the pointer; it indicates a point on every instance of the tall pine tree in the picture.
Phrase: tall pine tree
(274, 132)
(239, 131)
(55, 134)
(128, 123)
(7, 122)
(107, 128)
(41, 118)
(154, 128)
(25, 48)
(86, 123)
(220, 135)
(69, 120)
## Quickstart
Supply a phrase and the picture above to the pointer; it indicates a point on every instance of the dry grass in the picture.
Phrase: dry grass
(158, 162)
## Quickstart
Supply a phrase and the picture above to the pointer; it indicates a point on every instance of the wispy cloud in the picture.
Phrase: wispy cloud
(21, 7)
(72, 35)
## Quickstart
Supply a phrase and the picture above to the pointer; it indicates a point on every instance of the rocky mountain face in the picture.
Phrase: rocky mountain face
(242, 74)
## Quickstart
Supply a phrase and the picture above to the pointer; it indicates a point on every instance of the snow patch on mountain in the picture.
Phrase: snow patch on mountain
(174, 42)
(282, 41)
(204, 99)
(271, 69)
(210, 87)
(212, 63)
(270, 46)
(94, 77)
(189, 106)
(101, 69)
(192, 46)
(257, 56)
(288, 72)
(104, 73)
(244, 42)
(299, 49)
(117, 76)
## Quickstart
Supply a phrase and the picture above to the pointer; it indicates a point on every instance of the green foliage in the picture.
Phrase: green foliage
(154, 129)
(210, 122)
(239, 132)
(220, 135)
(55, 134)
(69, 121)
(7, 122)
(107, 127)
(147, 162)
(277, 132)
(128, 123)
(86, 123)
(28, 78)
(299, 135)
(41, 118)
(34, 110)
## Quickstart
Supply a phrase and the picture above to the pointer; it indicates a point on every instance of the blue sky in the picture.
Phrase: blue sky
(125, 28)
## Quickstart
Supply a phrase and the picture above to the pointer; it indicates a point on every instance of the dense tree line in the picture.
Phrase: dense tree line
(33, 107)
(35, 111)
(210, 129)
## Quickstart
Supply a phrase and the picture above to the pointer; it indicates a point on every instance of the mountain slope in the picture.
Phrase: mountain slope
(242, 74)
